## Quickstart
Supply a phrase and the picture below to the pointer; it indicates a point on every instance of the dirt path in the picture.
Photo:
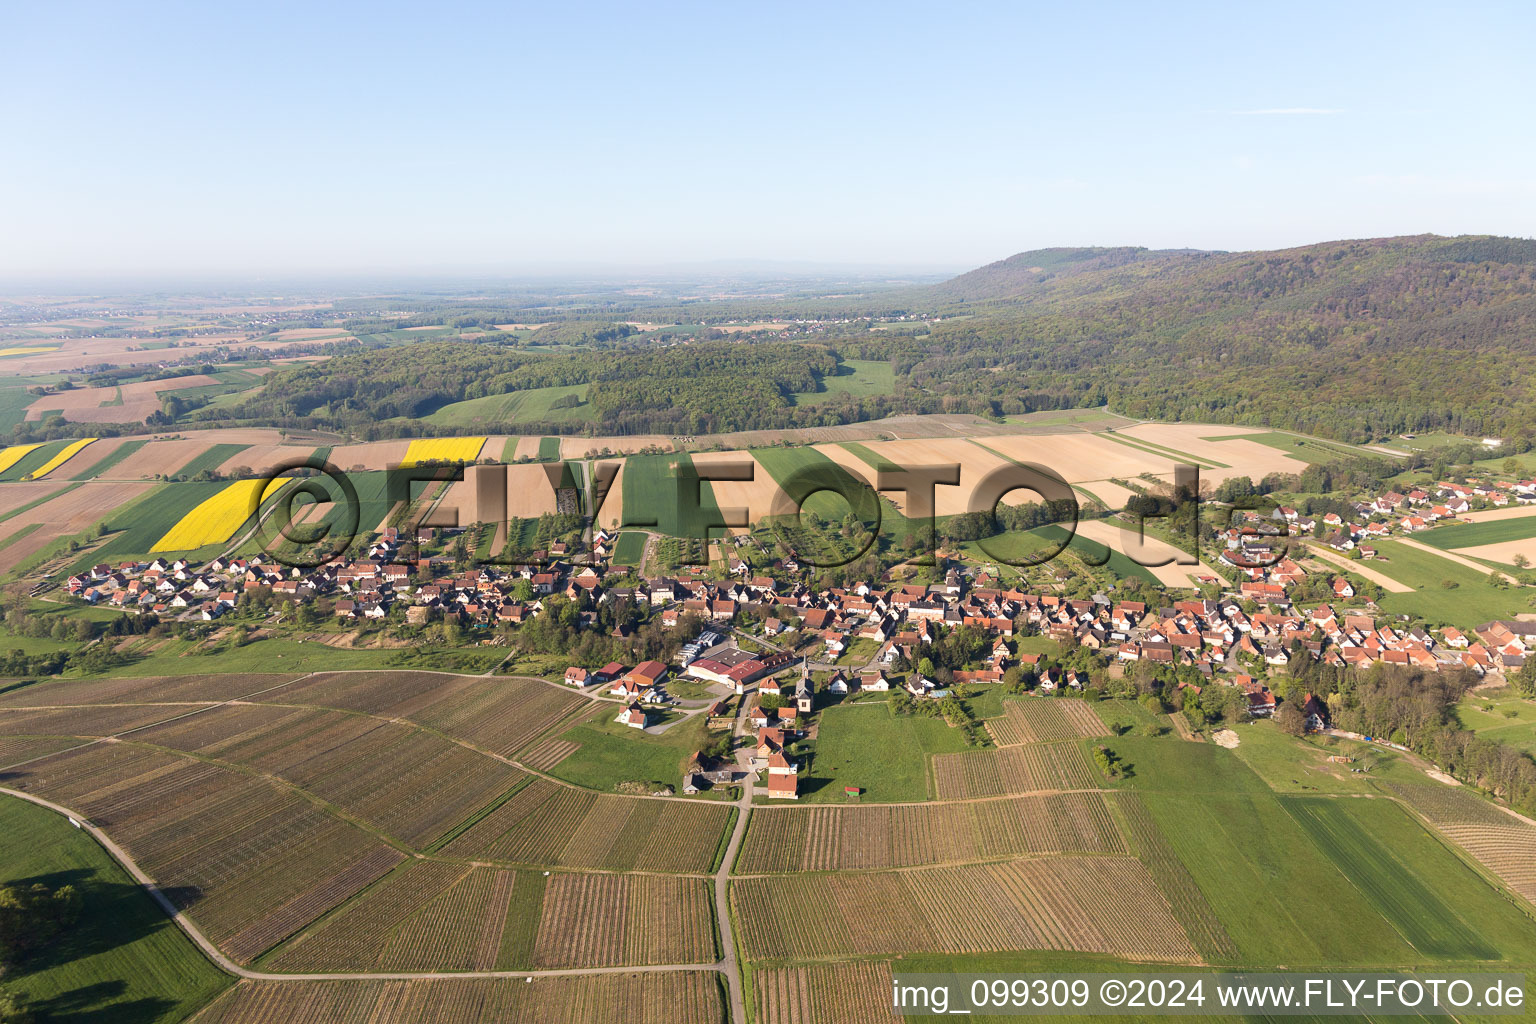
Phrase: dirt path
(1382, 580)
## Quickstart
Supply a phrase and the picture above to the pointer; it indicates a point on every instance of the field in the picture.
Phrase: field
(530, 406)
(653, 496)
(68, 512)
(249, 860)
(1501, 842)
(148, 690)
(209, 459)
(853, 377)
(690, 997)
(1009, 770)
(886, 755)
(610, 753)
(560, 826)
(1494, 540)
(1476, 534)
(1178, 886)
(104, 455)
(441, 916)
(805, 468)
(1509, 720)
(1143, 551)
(13, 454)
(792, 839)
(499, 715)
(1295, 446)
(630, 548)
(443, 449)
(1091, 904)
(1472, 599)
(125, 961)
(844, 993)
(402, 781)
(1410, 879)
(125, 403)
(60, 457)
(216, 519)
(1034, 720)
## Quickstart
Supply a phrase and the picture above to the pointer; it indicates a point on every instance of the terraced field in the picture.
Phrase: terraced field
(551, 824)
(1040, 720)
(249, 861)
(1018, 769)
(846, 993)
(1503, 843)
(691, 997)
(441, 916)
(497, 714)
(1089, 904)
(405, 782)
(787, 839)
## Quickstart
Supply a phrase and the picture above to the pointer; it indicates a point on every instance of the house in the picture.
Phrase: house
(1315, 712)
(575, 676)
(783, 777)
(634, 716)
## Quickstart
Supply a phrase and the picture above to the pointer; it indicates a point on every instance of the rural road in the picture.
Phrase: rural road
(1382, 580)
(728, 965)
(212, 952)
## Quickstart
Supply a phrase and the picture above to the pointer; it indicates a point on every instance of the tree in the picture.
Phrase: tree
(1290, 719)
(33, 916)
(1524, 681)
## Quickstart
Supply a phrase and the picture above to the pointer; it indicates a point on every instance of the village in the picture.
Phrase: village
(775, 639)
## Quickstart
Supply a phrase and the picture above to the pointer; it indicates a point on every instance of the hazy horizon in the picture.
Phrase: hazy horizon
(363, 140)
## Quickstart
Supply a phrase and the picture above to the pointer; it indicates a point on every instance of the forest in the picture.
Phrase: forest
(1356, 340)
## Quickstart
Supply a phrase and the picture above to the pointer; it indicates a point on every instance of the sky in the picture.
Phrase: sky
(340, 138)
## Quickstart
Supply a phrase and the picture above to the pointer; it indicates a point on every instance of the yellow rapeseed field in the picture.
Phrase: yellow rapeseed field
(216, 520)
(443, 449)
(27, 350)
(59, 459)
(14, 454)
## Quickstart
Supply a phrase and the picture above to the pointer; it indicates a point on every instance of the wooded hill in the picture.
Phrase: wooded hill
(1357, 340)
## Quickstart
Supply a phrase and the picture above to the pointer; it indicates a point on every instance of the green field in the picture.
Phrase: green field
(806, 469)
(855, 377)
(1028, 544)
(531, 406)
(1315, 880)
(1292, 765)
(119, 453)
(1467, 535)
(884, 754)
(652, 493)
(125, 961)
(549, 449)
(1431, 898)
(210, 459)
(612, 753)
(14, 398)
(1509, 720)
(630, 548)
(1474, 599)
